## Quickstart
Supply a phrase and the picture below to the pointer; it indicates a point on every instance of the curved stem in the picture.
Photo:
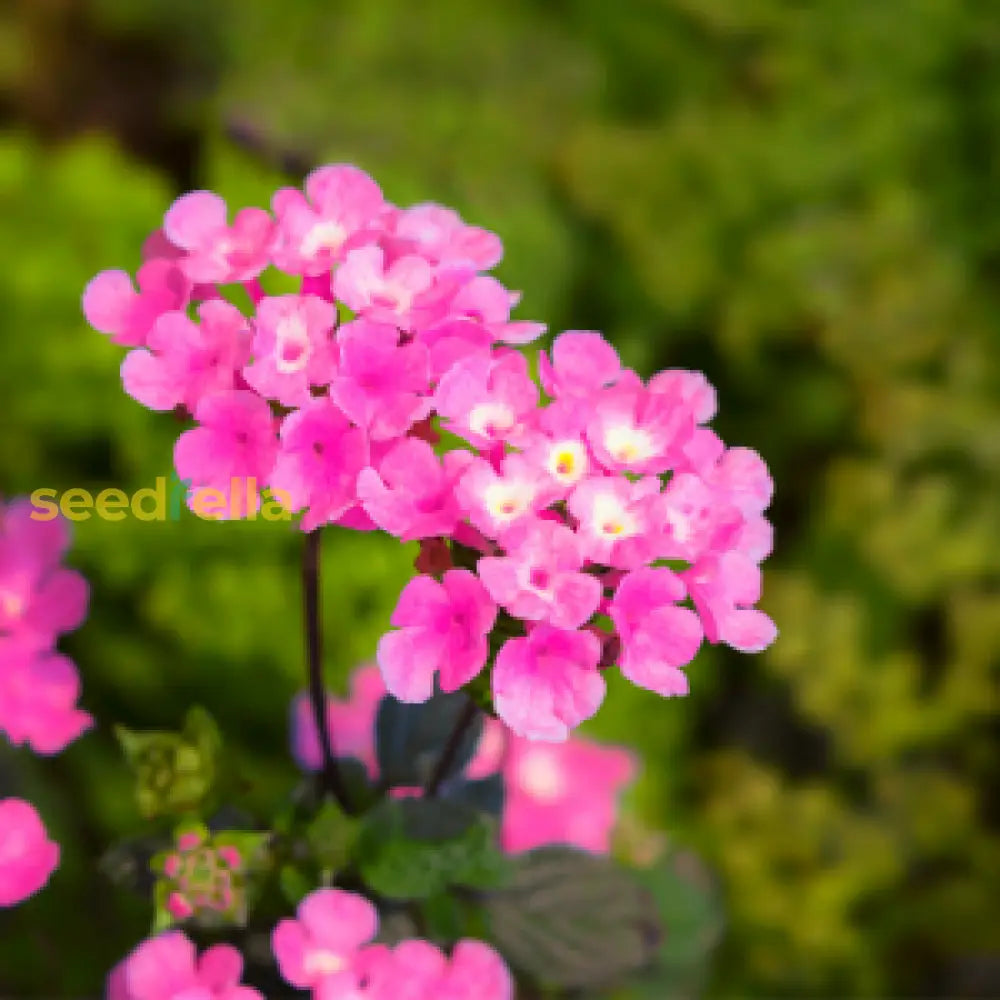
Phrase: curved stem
(465, 720)
(330, 779)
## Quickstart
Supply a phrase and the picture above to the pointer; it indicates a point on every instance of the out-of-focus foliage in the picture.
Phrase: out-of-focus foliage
(799, 199)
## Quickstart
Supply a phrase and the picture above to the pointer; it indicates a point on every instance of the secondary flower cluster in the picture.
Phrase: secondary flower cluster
(559, 793)
(598, 521)
(39, 601)
(325, 949)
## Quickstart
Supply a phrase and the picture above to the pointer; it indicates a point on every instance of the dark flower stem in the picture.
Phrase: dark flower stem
(329, 778)
(465, 720)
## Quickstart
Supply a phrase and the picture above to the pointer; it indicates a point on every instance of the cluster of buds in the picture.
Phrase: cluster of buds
(39, 687)
(593, 521)
(203, 877)
(174, 772)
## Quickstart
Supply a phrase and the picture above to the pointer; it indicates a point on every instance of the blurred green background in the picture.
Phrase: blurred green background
(800, 199)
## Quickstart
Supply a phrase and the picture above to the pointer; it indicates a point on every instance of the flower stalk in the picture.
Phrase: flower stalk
(330, 779)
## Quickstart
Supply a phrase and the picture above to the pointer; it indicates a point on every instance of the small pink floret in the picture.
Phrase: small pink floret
(441, 629)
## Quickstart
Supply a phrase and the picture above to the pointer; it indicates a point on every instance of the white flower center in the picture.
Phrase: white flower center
(540, 776)
(11, 603)
(292, 349)
(680, 525)
(491, 420)
(627, 444)
(327, 235)
(612, 519)
(567, 462)
(323, 962)
(507, 501)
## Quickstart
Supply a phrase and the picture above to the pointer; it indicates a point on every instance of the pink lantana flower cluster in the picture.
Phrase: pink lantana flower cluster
(554, 793)
(39, 601)
(327, 949)
(593, 520)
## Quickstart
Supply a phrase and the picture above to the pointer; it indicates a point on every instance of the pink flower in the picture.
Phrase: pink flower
(657, 636)
(497, 501)
(381, 383)
(383, 293)
(293, 347)
(724, 588)
(563, 793)
(742, 478)
(440, 235)
(697, 518)
(442, 628)
(412, 495)
(38, 695)
(476, 972)
(39, 599)
(412, 970)
(691, 389)
(539, 579)
(619, 522)
(583, 363)
(322, 944)
(562, 454)
(27, 856)
(112, 306)
(418, 970)
(186, 361)
(754, 538)
(351, 723)
(487, 400)
(216, 252)
(231, 452)
(454, 341)
(341, 206)
(167, 967)
(318, 462)
(484, 300)
(491, 751)
(548, 683)
(699, 452)
(634, 429)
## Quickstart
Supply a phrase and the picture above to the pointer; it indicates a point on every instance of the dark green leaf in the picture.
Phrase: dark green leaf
(294, 885)
(485, 795)
(414, 849)
(410, 739)
(331, 836)
(690, 906)
(361, 793)
(443, 918)
(573, 920)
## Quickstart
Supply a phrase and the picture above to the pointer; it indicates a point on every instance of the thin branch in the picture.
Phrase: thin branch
(451, 748)
(330, 778)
